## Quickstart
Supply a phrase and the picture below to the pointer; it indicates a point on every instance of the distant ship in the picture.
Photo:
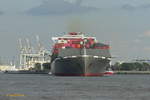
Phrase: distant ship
(26, 72)
(75, 54)
(36, 70)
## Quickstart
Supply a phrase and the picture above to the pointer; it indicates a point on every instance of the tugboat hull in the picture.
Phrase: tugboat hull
(79, 66)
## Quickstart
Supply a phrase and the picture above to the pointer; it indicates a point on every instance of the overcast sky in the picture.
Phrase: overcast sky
(124, 24)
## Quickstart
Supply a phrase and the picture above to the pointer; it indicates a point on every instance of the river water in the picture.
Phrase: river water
(46, 87)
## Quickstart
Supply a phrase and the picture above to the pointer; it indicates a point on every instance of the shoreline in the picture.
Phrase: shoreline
(132, 72)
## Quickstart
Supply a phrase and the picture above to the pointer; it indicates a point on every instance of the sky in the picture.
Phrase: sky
(123, 24)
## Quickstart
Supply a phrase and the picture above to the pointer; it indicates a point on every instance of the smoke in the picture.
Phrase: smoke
(79, 24)
(75, 25)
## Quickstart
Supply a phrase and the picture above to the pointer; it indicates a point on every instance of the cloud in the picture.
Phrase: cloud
(1, 13)
(137, 40)
(146, 49)
(147, 33)
(128, 7)
(135, 7)
(60, 7)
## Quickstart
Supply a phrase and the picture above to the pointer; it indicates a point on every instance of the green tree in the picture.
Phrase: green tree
(116, 66)
(37, 66)
(146, 66)
(127, 66)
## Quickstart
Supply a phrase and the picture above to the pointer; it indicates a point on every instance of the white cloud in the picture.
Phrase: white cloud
(137, 41)
(130, 7)
(71, 1)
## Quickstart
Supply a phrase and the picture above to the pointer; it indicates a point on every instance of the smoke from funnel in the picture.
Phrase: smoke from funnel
(79, 24)
(75, 25)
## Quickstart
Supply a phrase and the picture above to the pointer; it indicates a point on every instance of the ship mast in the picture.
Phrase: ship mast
(84, 48)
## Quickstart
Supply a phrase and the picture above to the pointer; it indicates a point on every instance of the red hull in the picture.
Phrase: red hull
(109, 73)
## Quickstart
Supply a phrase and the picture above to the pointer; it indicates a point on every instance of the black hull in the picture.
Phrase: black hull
(79, 66)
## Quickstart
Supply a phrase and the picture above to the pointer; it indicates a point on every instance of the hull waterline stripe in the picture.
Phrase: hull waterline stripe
(86, 74)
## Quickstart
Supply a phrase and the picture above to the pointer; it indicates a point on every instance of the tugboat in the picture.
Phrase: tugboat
(75, 54)
(109, 71)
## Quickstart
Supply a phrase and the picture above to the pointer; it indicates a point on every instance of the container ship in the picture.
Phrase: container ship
(75, 54)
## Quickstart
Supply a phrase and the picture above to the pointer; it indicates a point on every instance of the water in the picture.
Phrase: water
(46, 87)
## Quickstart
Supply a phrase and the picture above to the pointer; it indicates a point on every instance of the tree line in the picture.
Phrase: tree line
(135, 66)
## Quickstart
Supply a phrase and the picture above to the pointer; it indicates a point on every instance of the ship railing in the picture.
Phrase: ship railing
(102, 57)
(70, 37)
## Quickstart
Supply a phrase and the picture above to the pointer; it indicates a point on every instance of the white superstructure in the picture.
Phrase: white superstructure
(30, 57)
